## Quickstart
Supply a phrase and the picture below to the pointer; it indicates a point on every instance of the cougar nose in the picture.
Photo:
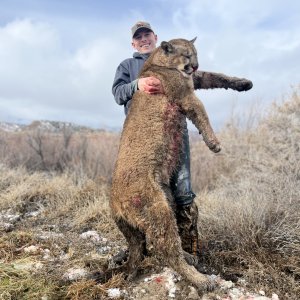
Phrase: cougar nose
(195, 67)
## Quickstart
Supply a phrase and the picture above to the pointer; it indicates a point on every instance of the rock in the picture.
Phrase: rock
(12, 218)
(226, 285)
(73, 274)
(262, 293)
(171, 278)
(235, 294)
(114, 293)
(6, 227)
(193, 294)
(275, 297)
(46, 253)
(104, 249)
(27, 265)
(32, 249)
(92, 235)
(49, 235)
(242, 281)
(33, 213)
(38, 265)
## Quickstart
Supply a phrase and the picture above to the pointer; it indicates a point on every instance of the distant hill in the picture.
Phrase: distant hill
(11, 127)
(45, 125)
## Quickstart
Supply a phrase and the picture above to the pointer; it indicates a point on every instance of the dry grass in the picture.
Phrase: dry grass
(66, 209)
(250, 220)
(87, 290)
(249, 199)
(89, 154)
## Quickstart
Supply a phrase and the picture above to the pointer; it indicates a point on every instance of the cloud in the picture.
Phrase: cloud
(60, 65)
(41, 79)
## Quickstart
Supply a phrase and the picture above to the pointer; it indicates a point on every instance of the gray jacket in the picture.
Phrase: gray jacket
(125, 82)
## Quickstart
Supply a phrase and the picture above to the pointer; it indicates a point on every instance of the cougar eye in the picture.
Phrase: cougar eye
(188, 56)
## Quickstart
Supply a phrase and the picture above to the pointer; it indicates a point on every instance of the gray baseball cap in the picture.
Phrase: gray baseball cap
(140, 25)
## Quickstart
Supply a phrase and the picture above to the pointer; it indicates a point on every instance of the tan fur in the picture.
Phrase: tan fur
(141, 201)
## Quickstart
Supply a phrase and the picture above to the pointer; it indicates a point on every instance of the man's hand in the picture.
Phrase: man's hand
(150, 85)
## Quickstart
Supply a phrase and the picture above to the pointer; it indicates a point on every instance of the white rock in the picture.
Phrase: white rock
(226, 285)
(242, 281)
(6, 226)
(74, 274)
(12, 218)
(46, 253)
(104, 249)
(114, 293)
(50, 235)
(33, 213)
(168, 277)
(27, 265)
(193, 294)
(275, 296)
(38, 265)
(235, 294)
(32, 249)
(172, 292)
(170, 282)
(262, 293)
(92, 235)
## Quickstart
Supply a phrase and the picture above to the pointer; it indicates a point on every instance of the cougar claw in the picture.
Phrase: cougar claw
(120, 257)
(210, 285)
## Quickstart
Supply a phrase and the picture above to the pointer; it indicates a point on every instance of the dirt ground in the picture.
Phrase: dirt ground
(47, 255)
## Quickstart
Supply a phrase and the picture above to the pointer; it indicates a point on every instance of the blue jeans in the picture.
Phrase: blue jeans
(181, 179)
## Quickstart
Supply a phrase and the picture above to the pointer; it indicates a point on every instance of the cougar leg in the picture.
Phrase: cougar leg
(162, 234)
(136, 247)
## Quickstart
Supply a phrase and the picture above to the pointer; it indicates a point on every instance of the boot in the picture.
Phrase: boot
(187, 222)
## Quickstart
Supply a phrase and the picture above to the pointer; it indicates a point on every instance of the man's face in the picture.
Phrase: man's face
(144, 41)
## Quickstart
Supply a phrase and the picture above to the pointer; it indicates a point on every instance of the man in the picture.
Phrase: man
(126, 83)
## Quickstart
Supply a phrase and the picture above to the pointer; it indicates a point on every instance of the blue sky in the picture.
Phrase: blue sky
(58, 58)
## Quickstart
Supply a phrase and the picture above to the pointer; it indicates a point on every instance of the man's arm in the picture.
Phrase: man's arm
(210, 80)
(123, 89)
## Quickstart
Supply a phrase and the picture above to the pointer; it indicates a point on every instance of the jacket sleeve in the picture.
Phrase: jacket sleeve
(123, 89)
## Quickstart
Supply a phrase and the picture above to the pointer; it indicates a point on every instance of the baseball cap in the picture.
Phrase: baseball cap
(139, 25)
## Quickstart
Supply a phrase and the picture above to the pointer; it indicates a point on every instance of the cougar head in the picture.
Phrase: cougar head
(180, 54)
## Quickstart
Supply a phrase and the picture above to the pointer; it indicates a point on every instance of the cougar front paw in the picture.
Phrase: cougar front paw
(241, 85)
(208, 285)
(215, 148)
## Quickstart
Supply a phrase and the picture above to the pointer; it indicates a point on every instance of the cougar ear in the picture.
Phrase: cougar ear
(193, 40)
(167, 47)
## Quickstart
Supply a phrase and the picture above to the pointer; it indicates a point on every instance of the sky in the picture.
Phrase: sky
(58, 57)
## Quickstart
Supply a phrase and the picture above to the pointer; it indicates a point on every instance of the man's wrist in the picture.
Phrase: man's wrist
(135, 85)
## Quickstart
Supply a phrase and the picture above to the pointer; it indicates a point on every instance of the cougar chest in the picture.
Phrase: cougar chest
(172, 127)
